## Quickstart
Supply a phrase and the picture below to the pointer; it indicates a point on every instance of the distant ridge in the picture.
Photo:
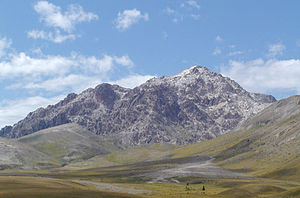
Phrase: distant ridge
(194, 105)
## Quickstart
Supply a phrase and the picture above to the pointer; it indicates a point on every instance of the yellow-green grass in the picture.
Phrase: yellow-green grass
(223, 188)
(43, 186)
(141, 154)
(37, 187)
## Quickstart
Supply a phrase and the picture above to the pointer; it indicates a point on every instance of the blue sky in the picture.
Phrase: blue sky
(51, 48)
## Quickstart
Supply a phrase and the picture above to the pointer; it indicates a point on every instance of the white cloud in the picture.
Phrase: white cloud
(169, 10)
(56, 37)
(193, 3)
(175, 20)
(235, 53)
(189, 9)
(23, 65)
(37, 51)
(74, 82)
(53, 16)
(195, 16)
(132, 81)
(217, 51)
(298, 43)
(219, 38)
(165, 35)
(129, 17)
(58, 73)
(36, 34)
(4, 45)
(262, 76)
(94, 65)
(276, 49)
(124, 60)
(14, 110)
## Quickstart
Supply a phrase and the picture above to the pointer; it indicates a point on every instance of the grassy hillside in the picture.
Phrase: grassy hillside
(14, 155)
(68, 143)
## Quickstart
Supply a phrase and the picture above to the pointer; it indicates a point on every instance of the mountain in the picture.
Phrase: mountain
(192, 106)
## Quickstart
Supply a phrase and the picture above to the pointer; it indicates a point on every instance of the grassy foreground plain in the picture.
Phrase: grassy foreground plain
(69, 186)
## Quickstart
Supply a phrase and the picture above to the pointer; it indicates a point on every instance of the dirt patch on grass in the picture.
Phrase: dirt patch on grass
(203, 168)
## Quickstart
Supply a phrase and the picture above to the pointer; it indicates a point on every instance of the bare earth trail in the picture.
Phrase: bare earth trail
(204, 168)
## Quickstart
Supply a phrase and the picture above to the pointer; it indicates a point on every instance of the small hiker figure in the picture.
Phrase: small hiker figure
(187, 186)
(203, 190)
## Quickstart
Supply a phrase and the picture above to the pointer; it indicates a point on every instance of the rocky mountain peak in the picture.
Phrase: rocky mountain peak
(194, 105)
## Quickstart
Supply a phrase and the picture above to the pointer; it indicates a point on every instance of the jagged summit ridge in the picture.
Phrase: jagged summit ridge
(194, 105)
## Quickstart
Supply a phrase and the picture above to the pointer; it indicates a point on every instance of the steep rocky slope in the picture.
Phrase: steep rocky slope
(194, 105)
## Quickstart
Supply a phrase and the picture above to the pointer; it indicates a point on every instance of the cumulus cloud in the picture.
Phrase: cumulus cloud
(22, 65)
(298, 43)
(193, 3)
(129, 17)
(169, 10)
(195, 16)
(219, 38)
(60, 73)
(73, 82)
(188, 9)
(53, 16)
(217, 51)
(132, 80)
(4, 45)
(92, 64)
(235, 53)
(125, 61)
(55, 37)
(266, 76)
(12, 111)
(276, 49)
(165, 35)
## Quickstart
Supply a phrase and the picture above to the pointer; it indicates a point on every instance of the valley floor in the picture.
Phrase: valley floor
(160, 178)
